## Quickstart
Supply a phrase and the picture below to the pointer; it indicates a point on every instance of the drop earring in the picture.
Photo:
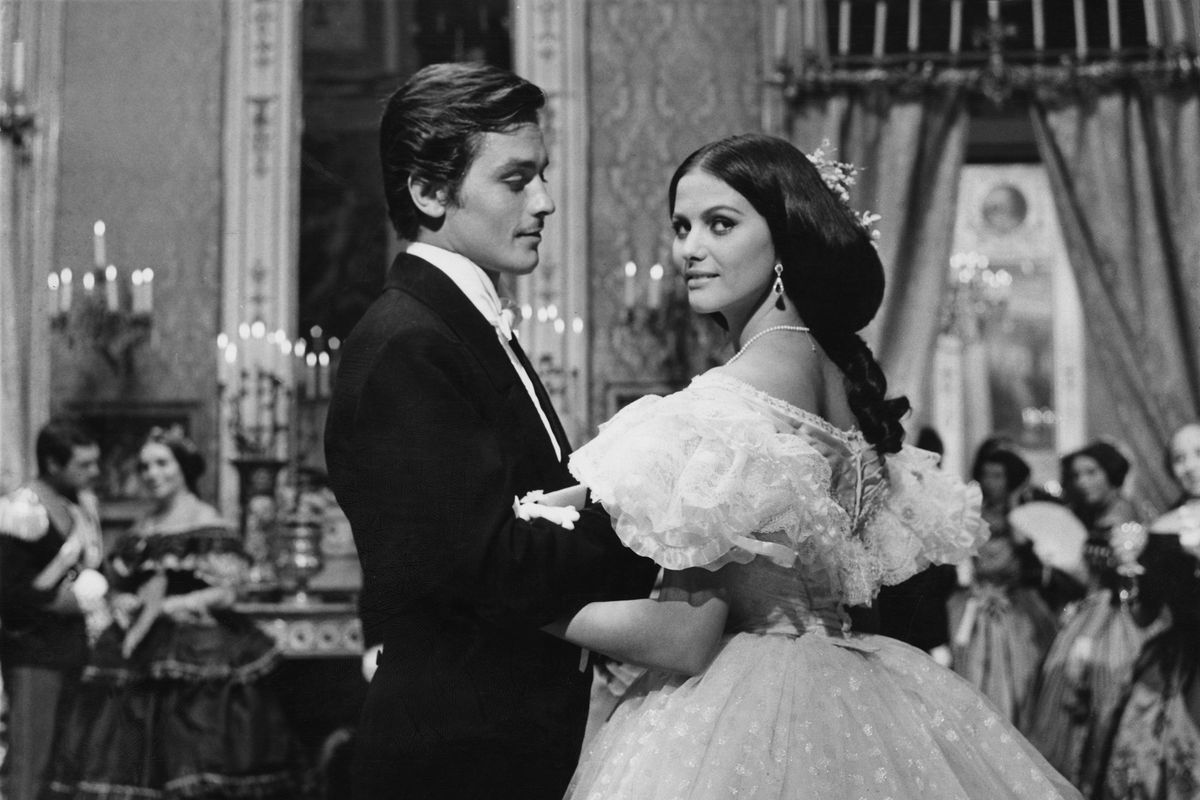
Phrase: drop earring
(778, 287)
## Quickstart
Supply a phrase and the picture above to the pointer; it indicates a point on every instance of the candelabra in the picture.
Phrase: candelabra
(17, 121)
(94, 308)
(979, 293)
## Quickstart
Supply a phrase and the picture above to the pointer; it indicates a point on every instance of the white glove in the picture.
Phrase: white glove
(563, 516)
(370, 661)
(89, 589)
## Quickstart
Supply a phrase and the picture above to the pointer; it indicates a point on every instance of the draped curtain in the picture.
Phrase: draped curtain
(910, 147)
(1124, 166)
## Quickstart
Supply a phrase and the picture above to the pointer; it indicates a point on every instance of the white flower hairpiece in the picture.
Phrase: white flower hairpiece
(839, 176)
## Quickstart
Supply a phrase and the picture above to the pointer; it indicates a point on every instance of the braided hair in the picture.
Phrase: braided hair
(831, 270)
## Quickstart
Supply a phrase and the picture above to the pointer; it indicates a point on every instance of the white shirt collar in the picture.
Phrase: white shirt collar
(471, 280)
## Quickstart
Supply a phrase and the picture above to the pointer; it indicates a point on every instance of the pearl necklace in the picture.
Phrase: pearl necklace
(764, 332)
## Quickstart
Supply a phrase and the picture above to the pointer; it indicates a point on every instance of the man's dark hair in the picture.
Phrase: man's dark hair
(56, 442)
(432, 125)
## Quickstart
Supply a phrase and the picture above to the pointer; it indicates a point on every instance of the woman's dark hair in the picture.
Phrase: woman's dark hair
(432, 125)
(1016, 469)
(1112, 463)
(191, 463)
(831, 271)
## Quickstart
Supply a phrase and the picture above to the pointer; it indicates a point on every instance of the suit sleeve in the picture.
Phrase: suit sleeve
(18, 568)
(421, 472)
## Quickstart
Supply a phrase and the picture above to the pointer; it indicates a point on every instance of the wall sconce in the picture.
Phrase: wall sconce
(16, 120)
(94, 312)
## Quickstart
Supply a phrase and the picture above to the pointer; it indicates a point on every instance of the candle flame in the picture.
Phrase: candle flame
(630, 269)
(98, 228)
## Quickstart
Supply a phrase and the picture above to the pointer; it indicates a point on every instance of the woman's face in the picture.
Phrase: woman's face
(160, 472)
(723, 246)
(1089, 480)
(1185, 459)
(993, 482)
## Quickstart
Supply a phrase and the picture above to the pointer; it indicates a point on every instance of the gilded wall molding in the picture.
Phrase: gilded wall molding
(261, 165)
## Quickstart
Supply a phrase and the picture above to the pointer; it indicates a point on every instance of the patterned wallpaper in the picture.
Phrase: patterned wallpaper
(141, 150)
(665, 77)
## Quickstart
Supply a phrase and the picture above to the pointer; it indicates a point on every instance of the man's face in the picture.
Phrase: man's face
(502, 203)
(79, 473)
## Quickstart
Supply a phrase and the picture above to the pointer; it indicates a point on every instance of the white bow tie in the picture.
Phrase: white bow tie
(504, 324)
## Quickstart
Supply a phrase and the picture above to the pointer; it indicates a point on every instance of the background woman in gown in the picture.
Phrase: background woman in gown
(1001, 625)
(173, 702)
(1155, 750)
(776, 492)
(1088, 666)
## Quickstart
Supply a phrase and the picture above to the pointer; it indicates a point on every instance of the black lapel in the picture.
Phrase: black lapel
(431, 286)
(428, 284)
(543, 398)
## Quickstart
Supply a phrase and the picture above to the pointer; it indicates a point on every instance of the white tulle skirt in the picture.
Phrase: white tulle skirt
(815, 716)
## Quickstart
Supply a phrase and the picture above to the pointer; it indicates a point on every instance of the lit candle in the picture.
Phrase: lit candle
(781, 19)
(577, 325)
(310, 361)
(148, 288)
(1178, 26)
(1152, 33)
(1039, 26)
(323, 388)
(880, 27)
(560, 326)
(914, 25)
(654, 299)
(810, 26)
(110, 287)
(18, 68)
(994, 10)
(99, 256)
(1081, 40)
(630, 284)
(89, 281)
(53, 281)
(955, 25)
(65, 296)
(844, 27)
(1114, 26)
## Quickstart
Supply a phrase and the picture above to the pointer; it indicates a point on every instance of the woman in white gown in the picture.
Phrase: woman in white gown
(775, 492)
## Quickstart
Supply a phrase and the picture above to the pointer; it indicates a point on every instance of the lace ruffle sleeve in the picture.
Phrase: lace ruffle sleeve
(928, 517)
(688, 478)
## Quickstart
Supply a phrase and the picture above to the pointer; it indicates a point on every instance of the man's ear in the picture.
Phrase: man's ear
(429, 200)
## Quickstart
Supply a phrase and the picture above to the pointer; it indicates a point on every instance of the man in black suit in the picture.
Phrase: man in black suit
(436, 424)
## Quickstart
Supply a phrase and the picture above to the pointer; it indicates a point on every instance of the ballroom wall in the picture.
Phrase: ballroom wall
(665, 77)
(140, 148)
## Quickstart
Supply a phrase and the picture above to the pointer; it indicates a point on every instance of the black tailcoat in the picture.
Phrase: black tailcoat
(429, 437)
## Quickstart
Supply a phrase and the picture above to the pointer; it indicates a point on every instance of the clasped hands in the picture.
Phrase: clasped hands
(560, 507)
